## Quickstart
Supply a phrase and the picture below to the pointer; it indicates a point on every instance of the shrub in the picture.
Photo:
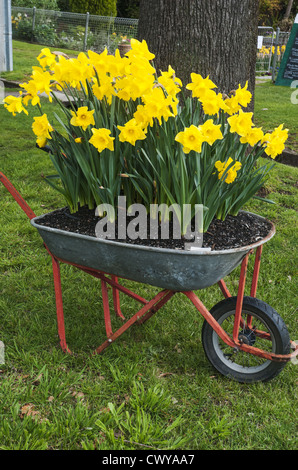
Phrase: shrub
(45, 33)
(94, 7)
(63, 5)
(22, 27)
(43, 4)
(128, 8)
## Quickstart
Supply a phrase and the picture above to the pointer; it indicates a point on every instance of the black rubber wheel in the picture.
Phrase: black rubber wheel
(239, 365)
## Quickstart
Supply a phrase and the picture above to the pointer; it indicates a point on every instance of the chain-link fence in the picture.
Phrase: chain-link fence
(265, 49)
(71, 30)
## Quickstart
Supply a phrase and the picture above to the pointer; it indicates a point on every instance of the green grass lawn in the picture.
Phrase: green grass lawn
(154, 387)
(24, 58)
(273, 106)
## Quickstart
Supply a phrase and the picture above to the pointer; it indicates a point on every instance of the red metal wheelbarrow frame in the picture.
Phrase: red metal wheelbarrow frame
(150, 307)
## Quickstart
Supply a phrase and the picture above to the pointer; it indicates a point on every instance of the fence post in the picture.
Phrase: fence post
(86, 32)
(6, 56)
(275, 53)
(33, 23)
(111, 20)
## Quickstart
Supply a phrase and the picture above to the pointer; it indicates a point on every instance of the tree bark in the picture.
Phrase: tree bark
(211, 37)
(288, 10)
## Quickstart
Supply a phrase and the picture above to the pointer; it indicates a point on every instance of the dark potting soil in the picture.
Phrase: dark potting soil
(233, 232)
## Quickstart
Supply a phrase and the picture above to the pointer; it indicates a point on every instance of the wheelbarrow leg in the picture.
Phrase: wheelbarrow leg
(106, 309)
(224, 289)
(255, 278)
(59, 304)
(238, 320)
(56, 268)
(144, 313)
(116, 299)
(256, 271)
(254, 283)
(240, 296)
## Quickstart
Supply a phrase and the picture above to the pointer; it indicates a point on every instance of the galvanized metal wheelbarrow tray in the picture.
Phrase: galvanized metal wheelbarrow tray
(177, 270)
(173, 271)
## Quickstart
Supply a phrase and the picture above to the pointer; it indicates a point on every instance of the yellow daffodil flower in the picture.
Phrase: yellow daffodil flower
(101, 139)
(243, 95)
(231, 174)
(42, 81)
(211, 132)
(128, 98)
(241, 123)
(170, 82)
(99, 62)
(199, 85)
(142, 117)
(140, 49)
(46, 58)
(116, 64)
(275, 141)
(232, 105)
(104, 90)
(61, 70)
(14, 104)
(32, 92)
(42, 128)
(131, 132)
(253, 136)
(191, 139)
(41, 141)
(82, 118)
(157, 105)
(212, 103)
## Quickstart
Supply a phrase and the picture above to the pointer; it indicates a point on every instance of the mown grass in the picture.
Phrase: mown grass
(24, 58)
(154, 386)
(273, 106)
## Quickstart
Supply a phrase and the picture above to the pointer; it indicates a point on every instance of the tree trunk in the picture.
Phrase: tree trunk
(288, 10)
(210, 37)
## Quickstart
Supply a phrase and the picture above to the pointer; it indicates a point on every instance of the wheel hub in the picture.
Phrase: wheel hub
(247, 336)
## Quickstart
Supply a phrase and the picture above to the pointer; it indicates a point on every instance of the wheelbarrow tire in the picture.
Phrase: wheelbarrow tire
(228, 360)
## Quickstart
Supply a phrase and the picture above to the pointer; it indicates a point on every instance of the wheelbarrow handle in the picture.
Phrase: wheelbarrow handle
(16, 195)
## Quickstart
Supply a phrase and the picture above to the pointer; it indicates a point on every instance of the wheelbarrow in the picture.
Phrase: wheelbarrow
(243, 337)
